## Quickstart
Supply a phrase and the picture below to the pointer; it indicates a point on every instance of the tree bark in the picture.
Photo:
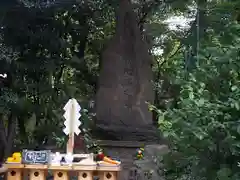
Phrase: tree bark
(7, 137)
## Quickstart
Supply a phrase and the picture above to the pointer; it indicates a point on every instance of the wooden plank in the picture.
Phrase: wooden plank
(36, 166)
(62, 167)
(13, 165)
(108, 168)
(84, 167)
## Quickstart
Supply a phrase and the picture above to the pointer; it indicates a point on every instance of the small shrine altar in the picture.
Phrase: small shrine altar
(37, 165)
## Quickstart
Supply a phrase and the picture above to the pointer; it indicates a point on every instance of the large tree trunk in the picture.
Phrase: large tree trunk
(7, 136)
(125, 82)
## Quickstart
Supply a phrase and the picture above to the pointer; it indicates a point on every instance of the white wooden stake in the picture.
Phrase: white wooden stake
(72, 122)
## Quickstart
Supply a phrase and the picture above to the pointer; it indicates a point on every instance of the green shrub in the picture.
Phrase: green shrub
(204, 128)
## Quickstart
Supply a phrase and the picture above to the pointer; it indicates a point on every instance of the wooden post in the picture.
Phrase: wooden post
(109, 175)
(60, 172)
(14, 171)
(85, 172)
(108, 172)
(85, 175)
(70, 143)
(37, 171)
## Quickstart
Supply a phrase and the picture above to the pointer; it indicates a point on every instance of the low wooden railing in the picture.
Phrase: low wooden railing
(40, 172)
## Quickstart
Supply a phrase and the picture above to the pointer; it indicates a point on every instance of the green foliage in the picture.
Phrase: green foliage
(49, 55)
(203, 128)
